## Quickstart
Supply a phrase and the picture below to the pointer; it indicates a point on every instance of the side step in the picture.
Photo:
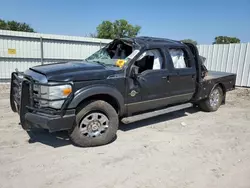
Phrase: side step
(156, 113)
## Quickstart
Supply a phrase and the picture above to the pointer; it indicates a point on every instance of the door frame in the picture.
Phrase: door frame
(178, 72)
(144, 105)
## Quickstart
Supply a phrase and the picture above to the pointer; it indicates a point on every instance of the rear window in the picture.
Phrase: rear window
(179, 58)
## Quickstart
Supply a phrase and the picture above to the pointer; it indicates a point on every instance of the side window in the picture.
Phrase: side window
(180, 58)
(149, 60)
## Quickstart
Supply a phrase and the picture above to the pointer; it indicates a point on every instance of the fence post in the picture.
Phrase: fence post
(41, 46)
(100, 44)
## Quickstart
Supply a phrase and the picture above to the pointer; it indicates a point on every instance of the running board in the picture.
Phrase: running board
(156, 113)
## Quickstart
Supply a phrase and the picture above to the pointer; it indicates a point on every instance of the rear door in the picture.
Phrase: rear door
(183, 74)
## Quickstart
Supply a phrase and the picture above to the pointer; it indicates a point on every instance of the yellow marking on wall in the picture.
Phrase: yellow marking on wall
(11, 51)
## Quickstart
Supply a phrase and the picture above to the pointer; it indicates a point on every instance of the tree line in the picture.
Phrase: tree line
(15, 26)
(110, 30)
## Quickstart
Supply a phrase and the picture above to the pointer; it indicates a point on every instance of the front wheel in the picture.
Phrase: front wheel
(213, 102)
(96, 124)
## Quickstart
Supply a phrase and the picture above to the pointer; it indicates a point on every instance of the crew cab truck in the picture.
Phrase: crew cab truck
(126, 77)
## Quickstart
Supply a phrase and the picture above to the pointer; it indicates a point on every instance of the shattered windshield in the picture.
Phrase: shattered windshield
(101, 56)
(110, 54)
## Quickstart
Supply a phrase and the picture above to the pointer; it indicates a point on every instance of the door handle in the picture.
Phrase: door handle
(166, 78)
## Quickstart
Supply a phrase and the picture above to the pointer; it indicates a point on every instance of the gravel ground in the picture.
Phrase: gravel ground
(188, 148)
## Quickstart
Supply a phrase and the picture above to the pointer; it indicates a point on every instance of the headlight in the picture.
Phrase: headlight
(54, 92)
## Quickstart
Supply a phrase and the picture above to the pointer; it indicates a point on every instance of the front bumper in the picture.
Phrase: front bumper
(50, 122)
(22, 102)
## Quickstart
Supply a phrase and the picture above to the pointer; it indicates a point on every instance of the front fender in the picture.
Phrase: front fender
(86, 92)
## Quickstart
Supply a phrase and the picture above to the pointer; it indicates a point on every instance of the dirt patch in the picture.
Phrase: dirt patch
(242, 93)
(188, 148)
(4, 88)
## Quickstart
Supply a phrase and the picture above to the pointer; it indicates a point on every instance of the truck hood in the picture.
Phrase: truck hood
(74, 71)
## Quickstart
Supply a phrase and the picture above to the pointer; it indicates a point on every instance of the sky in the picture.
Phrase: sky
(176, 19)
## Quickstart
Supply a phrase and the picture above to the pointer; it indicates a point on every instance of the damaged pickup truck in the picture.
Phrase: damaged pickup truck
(127, 77)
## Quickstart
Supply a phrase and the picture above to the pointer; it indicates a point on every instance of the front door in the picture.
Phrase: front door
(150, 88)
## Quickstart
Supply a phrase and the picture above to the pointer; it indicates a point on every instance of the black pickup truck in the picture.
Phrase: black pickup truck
(127, 77)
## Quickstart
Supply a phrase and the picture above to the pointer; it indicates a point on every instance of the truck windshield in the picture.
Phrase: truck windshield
(116, 50)
(101, 56)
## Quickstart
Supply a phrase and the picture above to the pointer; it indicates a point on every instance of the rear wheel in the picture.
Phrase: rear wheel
(96, 124)
(213, 102)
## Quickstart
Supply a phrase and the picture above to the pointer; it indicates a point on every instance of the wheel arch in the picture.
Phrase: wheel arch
(105, 93)
(222, 86)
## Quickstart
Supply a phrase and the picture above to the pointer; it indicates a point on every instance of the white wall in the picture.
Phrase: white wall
(233, 58)
(28, 50)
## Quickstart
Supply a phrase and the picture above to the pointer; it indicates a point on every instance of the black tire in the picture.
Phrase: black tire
(206, 105)
(99, 106)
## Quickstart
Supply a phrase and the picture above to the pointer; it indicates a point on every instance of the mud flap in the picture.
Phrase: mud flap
(223, 99)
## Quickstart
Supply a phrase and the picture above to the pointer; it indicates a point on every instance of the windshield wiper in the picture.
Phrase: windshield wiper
(99, 62)
(103, 64)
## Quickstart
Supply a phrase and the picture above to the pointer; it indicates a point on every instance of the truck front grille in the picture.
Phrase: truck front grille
(36, 93)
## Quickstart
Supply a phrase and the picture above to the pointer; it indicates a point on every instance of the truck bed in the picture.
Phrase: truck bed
(217, 75)
(223, 79)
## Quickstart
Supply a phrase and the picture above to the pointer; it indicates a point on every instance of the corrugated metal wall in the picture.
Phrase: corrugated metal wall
(22, 50)
(234, 58)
